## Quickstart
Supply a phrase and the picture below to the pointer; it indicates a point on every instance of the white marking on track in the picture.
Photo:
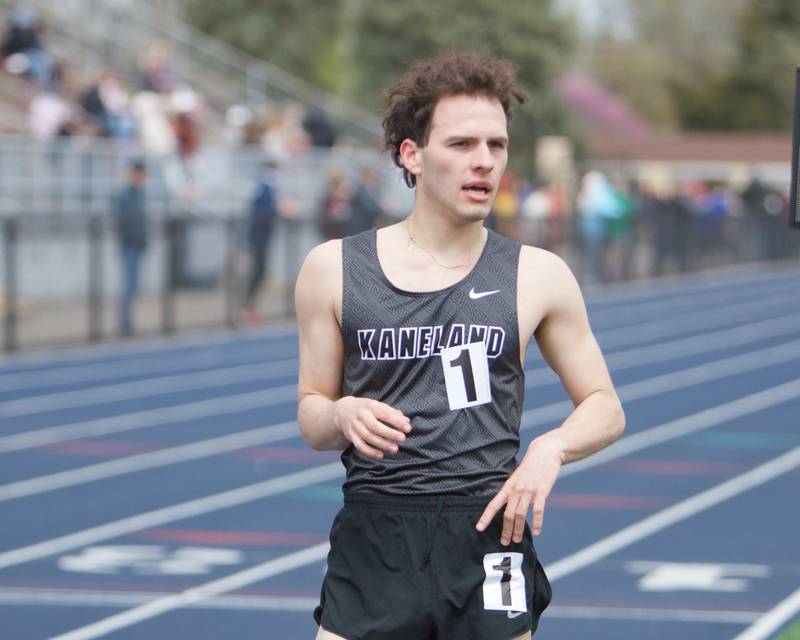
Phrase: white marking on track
(676, 513)
(651, 614)
(149, 519)
(149, 418)
(773, 620)
(534, 378)
(655, 435)
(39, 597)
(157, 386)
(530, 418)
(196, 594)
(647, 527)
(149, 460)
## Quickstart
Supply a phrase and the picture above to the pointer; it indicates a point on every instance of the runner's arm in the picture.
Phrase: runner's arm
(327, 420)
(567, 343)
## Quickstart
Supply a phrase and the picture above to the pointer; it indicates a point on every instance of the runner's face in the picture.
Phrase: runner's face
(466, 154)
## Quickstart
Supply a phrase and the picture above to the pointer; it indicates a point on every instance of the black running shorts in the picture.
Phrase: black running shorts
(403, 568)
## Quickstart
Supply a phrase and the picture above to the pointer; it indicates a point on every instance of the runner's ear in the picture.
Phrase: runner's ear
(411, 156)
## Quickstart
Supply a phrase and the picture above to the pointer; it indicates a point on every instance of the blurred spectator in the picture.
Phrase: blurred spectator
(108, 104)
(763, 208)
(131, 225)
(186, 109)
(155, 70)
(618, 229)
(284, 135)
(542, 217)
(506, 205)
(365, 209)
(264, 211)
(156, 134)
(337, 211)
(50, 114)
(319, 129)
(238, 118)
(658, 214)
(687, 214)
(23, 50)
(535, 213)
(717, 207)
(597, 205)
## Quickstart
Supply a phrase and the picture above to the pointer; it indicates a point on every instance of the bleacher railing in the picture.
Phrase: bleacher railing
(116, 33)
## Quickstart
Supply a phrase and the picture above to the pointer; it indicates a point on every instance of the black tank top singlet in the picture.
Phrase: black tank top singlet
(448, 359)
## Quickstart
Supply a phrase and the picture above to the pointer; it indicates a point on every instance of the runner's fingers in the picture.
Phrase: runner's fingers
(391, 416)
(379, 430)
(521, 514)
(384, 431)
(509, 519)
(364, 448)
(375, 440)
(495, 504)
(538, 516)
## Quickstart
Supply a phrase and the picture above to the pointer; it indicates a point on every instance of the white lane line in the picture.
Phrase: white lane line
(158, 347)
(685, 284)
(628, 293)
(735, 365)
(703, 343)
(663, 433)
(650, 614)
(197, 594)
(530, 418)
(662, 328)
(696, 345)
(675, 307)
(773, 620)
(149, 460)
(248, 373)
(111, 371)
(676, 513)
(107, 371)
(158, 517)
(534, 378)
(41, 597)
(156, 386)
(674, 429)
(623, 538)
(149, 418)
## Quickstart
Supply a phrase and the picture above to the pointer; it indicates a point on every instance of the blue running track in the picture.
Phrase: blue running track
(161, 490)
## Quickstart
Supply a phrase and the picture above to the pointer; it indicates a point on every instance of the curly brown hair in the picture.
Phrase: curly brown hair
(409, 105)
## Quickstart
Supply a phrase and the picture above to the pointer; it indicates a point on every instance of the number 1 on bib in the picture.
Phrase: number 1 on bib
(466, 375)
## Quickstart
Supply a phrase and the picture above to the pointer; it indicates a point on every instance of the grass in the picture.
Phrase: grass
(792, 633)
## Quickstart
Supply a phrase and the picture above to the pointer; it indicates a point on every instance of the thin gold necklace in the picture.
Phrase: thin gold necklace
(413, 241)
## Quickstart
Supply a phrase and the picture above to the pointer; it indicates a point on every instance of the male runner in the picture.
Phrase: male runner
(412, 343)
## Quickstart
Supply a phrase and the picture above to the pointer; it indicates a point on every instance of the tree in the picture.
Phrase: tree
(758, 91)
(295, 35)
(357, 48)
(664, 57)
(525, 31)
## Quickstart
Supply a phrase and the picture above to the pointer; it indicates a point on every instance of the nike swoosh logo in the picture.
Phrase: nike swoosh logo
(474, 295)
(515, 614)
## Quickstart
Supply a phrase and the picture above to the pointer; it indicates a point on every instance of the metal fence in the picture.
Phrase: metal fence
(61, 276)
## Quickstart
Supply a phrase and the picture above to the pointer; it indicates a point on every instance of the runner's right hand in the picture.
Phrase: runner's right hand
(373, 427)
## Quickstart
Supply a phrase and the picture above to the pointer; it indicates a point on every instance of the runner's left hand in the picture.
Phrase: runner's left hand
(529, 485)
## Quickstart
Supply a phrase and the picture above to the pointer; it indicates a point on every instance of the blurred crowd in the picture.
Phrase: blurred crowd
(280, 131)
(608, 229)
(151, 110)
(622, 229)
